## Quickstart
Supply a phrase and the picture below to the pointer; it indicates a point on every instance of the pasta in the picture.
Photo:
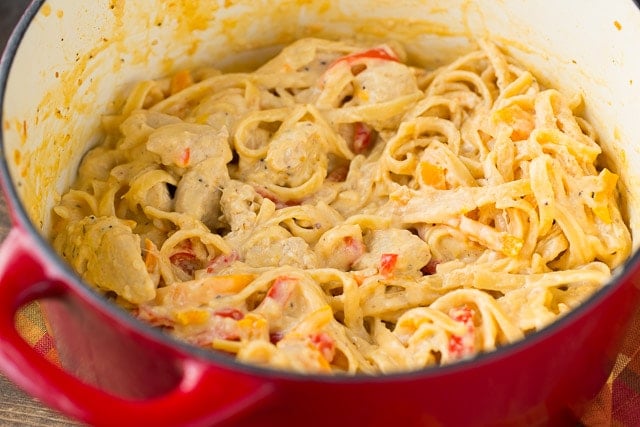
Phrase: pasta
(339, 211)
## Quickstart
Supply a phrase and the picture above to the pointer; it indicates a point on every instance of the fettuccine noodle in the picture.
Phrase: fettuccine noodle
(337, 210)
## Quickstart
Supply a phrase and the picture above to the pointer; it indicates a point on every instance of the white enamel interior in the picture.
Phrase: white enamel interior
(78, 58)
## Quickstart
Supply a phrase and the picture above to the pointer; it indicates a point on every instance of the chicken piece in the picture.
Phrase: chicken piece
(97, 164)
(187, 144)
(142, 123)
(149, 188)
(410, 253)
(274, 247)
(107, 254)
(340, 247)
(240, 204)
(227, 107)
(198, 193)
(295, 154)
(383, 81)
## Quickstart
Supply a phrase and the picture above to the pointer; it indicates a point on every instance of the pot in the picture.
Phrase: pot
(118, 371)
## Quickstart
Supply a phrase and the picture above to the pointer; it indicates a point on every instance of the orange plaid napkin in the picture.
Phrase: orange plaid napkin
(32, 326)
(617, 404)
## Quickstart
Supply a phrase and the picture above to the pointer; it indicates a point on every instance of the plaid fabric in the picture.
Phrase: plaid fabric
(32, 327)
(617, 404)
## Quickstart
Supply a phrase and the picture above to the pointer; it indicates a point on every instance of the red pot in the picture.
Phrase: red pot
(119, 371)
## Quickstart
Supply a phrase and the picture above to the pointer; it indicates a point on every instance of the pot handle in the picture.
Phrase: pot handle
(203, 396)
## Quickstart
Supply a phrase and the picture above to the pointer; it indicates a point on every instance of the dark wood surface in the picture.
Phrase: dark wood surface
(17, 408)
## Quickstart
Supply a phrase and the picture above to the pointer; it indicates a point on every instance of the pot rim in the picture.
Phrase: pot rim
(47, 255)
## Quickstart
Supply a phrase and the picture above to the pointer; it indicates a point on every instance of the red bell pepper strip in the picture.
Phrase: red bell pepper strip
(185, 261)
(374, 53)
(388, 264)
(325, 344)
(218, 263)
(339, 174)
(186, 157)
(353, 249)
(231, 313)
(461, 346)
(362, 136)
(281, 289)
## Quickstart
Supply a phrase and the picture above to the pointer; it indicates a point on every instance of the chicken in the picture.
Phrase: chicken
(187, 144)
(274, 246)
(294, 155)
(107, 254)
(240, 205)
(340, 247)
(382, 81)
(292, 251)
(198, 192)
(412, 252)
(204, 152)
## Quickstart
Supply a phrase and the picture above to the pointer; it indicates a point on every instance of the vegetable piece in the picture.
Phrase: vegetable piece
(382, 52)
(353, 249)
(202, 291)
(226, 345)
(487, 235)
(186, 156)
(180, 81)
(232, 313)
(192, 317)
(462, 346)
(222, 261)
(433, 175)
(185, 261)
(146, 313)
(600, 198)
(325, 344)
(254, 327)
(339, 174)
(275, 337)
(282, 288)
(362, 137)
(520, 120)
(388, 264)
(151, 261)
(229, 284)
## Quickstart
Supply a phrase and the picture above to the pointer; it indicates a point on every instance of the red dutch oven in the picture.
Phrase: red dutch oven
(68, 60)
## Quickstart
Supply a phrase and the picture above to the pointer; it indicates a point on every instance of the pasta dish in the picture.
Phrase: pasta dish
(338, 210)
